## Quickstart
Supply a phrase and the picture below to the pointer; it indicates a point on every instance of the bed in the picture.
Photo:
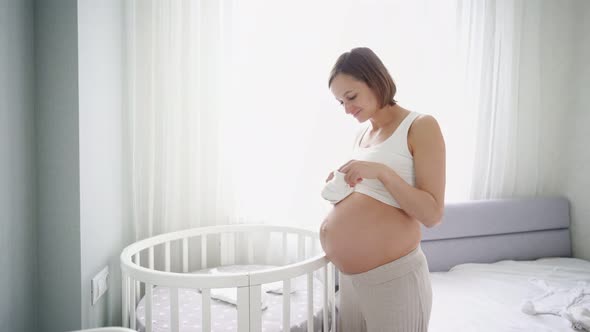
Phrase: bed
(489, 260)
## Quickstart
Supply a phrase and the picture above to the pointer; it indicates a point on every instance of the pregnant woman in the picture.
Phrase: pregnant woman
(394, 181)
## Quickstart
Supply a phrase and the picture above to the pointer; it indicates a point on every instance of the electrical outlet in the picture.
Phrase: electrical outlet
(99, 284)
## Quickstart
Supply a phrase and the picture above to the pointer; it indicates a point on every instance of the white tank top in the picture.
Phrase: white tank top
(393, 152)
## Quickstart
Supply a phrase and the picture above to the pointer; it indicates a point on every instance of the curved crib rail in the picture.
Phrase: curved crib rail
(248, 284)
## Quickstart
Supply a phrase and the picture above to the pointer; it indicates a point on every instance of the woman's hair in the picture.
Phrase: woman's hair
(364, 65)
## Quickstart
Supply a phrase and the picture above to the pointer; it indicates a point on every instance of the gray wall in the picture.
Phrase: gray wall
(81, 192)
(576, 174)
(102, 217)
(18, 242)
(58, 168)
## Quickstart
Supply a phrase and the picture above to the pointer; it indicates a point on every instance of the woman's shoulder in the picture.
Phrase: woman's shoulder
(424, 123)
(424, 130)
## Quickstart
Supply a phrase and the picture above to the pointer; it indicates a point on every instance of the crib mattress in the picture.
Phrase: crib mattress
(224, 315)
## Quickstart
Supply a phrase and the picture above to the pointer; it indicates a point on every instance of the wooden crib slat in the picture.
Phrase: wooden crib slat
(167, 255)
(310, 301)
(301, 247)
(243, 310)
(287, 305)
(250, 249)
(136, 284)
(223, 248)
(174, 321)
(231, 245)
(125, 299)
(332, 293)
(151, 257)
(267, 252)
(255, 310)
(203, 251)
(132, 304)
(206, 312)
(148, 307)
(326, 287)
(227, 248)
(185, 255)
(285, 249)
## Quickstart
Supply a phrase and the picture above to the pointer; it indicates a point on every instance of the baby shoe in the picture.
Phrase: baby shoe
(336, 189)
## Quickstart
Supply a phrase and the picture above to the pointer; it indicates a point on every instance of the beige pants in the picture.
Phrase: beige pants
(395, 297)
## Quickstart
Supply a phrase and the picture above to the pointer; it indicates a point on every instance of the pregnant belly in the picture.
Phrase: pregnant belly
(361, 233)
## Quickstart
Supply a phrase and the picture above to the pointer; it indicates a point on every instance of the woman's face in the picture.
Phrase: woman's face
(355, 96)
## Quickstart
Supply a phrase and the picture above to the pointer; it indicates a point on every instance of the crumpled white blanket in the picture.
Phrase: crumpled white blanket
(571, 303)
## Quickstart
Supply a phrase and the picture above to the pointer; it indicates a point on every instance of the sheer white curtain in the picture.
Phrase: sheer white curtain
(230, 116)
(175, 73)
(503, 66)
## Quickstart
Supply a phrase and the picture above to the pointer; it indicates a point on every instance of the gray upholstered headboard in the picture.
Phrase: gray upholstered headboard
(492, 230)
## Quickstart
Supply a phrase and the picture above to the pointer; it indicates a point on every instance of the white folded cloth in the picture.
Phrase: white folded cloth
(336, 189)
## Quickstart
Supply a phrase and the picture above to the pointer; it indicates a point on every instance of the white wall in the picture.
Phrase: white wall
(565, 86)
(576, 175)
(102, 217)
(18, 227)
(556, 67)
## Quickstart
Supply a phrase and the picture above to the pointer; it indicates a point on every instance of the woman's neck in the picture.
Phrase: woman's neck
(385, 116)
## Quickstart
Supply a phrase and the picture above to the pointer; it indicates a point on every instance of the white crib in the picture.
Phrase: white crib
(106, 329)
(190, 291)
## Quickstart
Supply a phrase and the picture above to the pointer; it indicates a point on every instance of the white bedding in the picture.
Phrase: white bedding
(488, 297)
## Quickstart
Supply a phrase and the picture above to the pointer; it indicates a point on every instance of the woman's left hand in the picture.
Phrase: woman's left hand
(357, 170)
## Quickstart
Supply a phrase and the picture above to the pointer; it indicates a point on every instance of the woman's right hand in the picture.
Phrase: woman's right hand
(330, 176)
